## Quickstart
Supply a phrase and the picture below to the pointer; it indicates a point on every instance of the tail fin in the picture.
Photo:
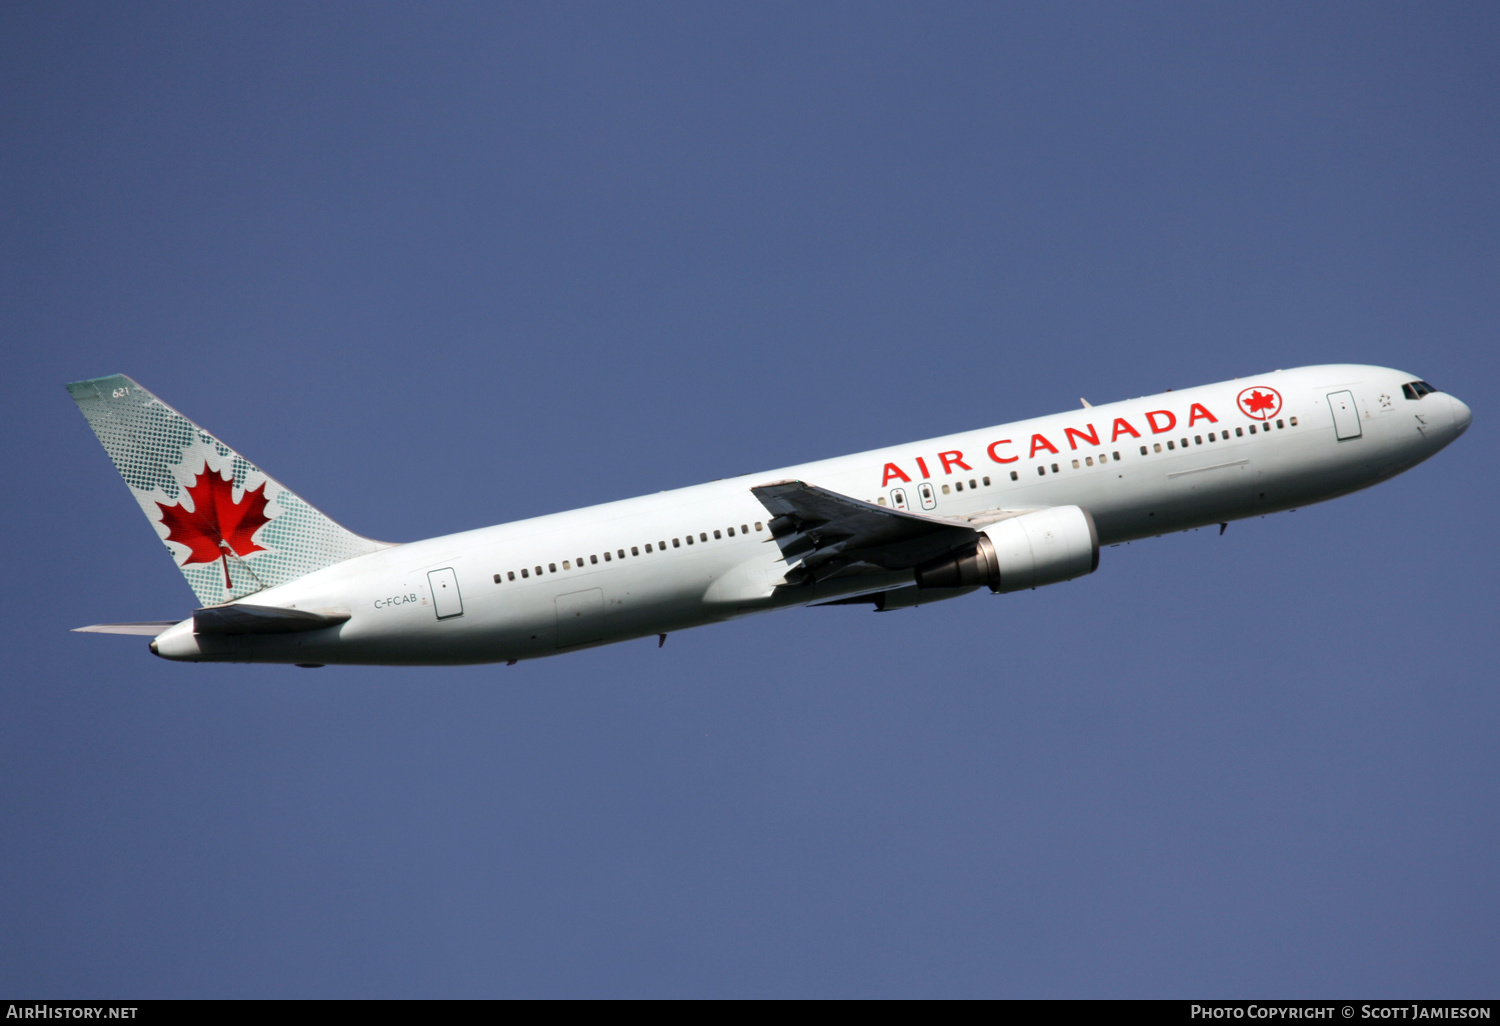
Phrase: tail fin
(231, 529)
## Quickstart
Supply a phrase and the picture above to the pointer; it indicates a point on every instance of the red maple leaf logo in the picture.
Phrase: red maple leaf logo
(217, 524)
(1259, 401)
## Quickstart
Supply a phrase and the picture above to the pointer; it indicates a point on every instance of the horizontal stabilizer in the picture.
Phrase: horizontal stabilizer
(243, 619)
(145, 629)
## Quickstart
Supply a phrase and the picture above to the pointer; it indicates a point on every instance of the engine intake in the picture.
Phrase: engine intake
(1027, 551)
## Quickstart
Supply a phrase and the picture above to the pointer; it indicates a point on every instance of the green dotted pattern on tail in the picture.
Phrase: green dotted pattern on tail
(160, 454)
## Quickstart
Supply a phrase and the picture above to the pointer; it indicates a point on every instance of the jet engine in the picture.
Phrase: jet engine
(1025, 551)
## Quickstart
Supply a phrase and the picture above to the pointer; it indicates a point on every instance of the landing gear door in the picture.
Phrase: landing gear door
(446, 601)
(1345, 415)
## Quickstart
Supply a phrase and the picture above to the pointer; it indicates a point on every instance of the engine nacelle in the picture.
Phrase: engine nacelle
(1027, 551)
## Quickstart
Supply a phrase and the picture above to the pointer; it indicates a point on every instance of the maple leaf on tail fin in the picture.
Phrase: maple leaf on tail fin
(216, 525)
(154, 448)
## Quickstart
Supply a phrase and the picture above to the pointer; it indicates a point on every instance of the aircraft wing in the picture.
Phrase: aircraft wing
(825, 534)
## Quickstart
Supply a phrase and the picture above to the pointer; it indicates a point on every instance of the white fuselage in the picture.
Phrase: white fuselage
(1162, 463)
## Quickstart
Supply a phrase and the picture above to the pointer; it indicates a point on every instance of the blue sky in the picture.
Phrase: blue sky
(440, 266)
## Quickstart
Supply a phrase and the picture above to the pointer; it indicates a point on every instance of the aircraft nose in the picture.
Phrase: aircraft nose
(1461, 416)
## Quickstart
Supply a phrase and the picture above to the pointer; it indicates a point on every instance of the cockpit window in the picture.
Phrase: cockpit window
(1416, 389)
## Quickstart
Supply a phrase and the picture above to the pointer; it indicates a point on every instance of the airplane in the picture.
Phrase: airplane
(1008, 508)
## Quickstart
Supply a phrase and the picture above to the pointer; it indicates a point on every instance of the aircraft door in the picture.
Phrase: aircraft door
(927, 495)
(580, 617)
(446, 601)
(898, 498)
(1345, 415)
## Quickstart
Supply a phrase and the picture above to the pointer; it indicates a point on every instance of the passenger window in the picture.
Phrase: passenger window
(1157, 446)
(1239, 432)
(524, 573)
(1197, 440)
(744, 529)
(881, 500)
(731, 531)
(1184, 443)
(635, 550)
(1293, 421)
(567, 565)
(1117, 455)
(1054, 468)
(1014, 476)
(1252, 429)
(1077, 465)
(648, 546)
(986, 483)
(1171, 444)
(947, 490)
(510, 575)
(621, 553)
(497, 578)
(703, 536)
(690, 539)
(957, 485)
(1041, 471)
(552, 567)
(1143, 450)
(1280, 424)
(757, 525)
(676, 543)
(718, 535)
(1089, 460)
(606, 557)
(1210, 436)
(539, 571)
(593, 559)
